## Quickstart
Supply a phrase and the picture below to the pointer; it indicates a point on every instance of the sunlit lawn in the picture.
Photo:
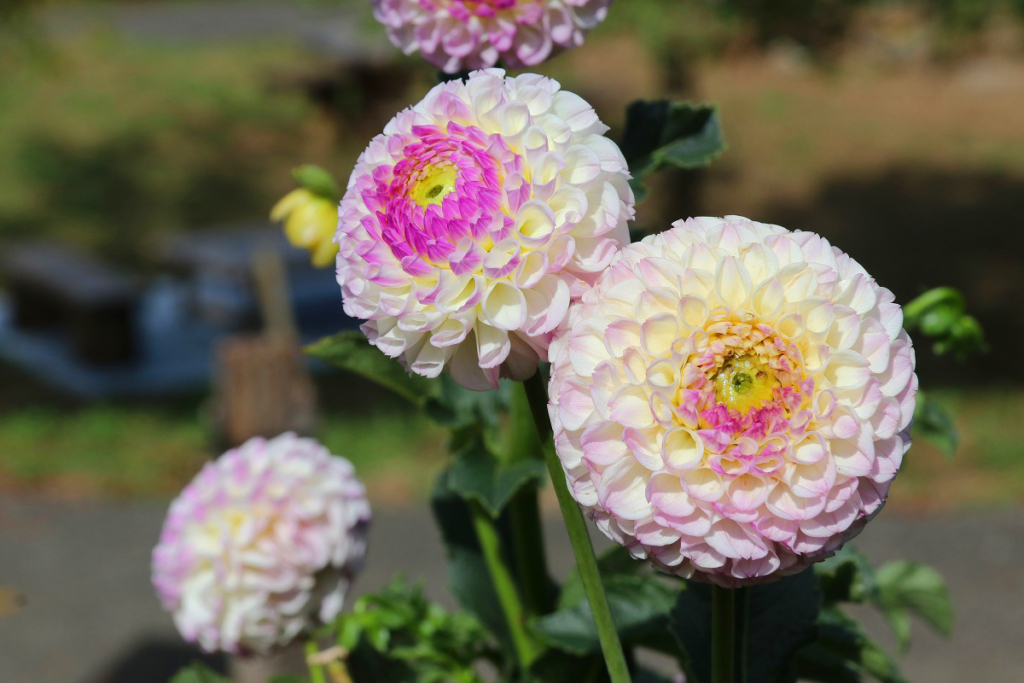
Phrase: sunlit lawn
(120, 451)
(126, 451)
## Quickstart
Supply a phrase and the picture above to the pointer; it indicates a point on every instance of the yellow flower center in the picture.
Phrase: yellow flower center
(433, 186)
(744, 382)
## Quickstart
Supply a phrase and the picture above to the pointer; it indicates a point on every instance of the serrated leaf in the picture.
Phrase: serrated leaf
(667, 133)
(781, 620)
(351, 351)
(638, 604)
(908, 587)
(317, 180)
(198, 672)
(933, 423)
(478, 474)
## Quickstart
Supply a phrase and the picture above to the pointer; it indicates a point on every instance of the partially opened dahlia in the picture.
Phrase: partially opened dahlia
(456, 35)
(262, 545)
(474, 220)
(731, 400)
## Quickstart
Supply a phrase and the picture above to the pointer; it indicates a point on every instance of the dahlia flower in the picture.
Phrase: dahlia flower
(731, 400)
(454, 35)
(309, 223)
(262, 545)
(474, 220)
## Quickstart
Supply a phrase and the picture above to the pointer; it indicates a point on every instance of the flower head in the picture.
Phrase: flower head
(262, 545)
(470, 224)
(731, 400)
(310, 214)
(455, 35)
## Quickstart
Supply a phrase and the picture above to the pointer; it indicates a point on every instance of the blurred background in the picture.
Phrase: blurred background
(142, 145)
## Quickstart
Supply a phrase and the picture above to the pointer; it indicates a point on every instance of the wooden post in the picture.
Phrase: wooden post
(262, 388)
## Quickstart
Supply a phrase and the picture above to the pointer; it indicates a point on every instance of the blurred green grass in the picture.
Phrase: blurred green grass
(130, 451)
(109, 142)
(118, 450)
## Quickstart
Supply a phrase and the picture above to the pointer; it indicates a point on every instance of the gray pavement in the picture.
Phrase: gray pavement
(91, 616)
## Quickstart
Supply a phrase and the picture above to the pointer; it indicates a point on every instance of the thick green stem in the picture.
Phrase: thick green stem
(583, 549)
(723, 635)
(316, 672)
(524, 515)
(525, 646)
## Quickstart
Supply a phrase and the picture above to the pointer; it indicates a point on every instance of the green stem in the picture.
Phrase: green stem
(723, 635)
(583, 549)
(743, 643)
(316, 673)
(524, 514)
(531, 561)
(525, 646)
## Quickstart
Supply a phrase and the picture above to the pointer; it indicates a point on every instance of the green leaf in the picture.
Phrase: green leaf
(667, 133)
(616, 561)
(843, 652)
(397, 635)
(289, 679)
(318, 181)
(459, 408)
(847, 576)
(781, 620)
(468, 578)
(198, 673)
(639, 605)
(908, 587)
(351, 351)
(941, 315)
(478, 474)
(933, 423)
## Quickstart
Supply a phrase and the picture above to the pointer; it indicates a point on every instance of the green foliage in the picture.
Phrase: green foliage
(639, 605)
(479, 474)
(907, 588)
(462, 410)
(665, 133)
(198, 672)
(780, 620)
(398, 630)
(847, 576)
(468, 577)
(843, 652)
(317, 180)
(818, 25)
(352, 352)
(110, 144)
(941, 315)
(897, 590)
(934, 423)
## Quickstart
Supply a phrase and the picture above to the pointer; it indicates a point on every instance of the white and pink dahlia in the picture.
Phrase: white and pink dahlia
(731, 400)
(474, 220)
(262, 545)
(456, 35)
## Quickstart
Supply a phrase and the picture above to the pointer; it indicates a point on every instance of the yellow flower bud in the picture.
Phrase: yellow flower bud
(309, 222)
